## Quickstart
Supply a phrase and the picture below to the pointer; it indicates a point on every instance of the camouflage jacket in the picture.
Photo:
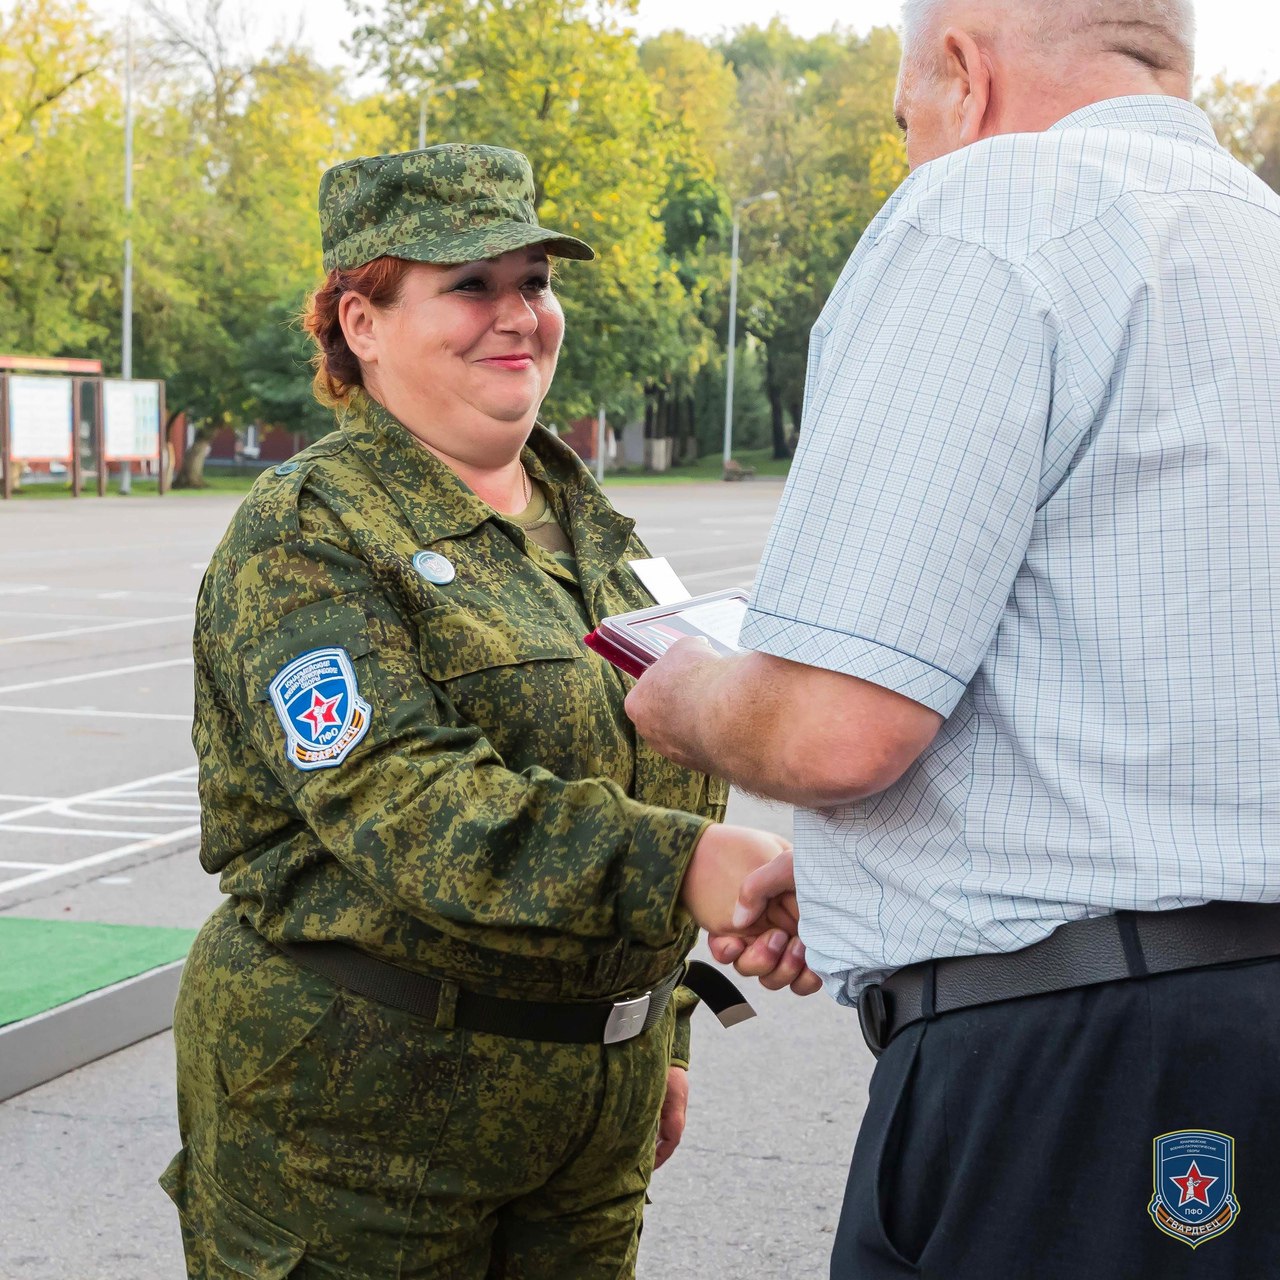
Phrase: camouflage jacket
(496, 821)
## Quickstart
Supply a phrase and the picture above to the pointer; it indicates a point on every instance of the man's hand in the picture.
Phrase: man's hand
(666, 703)
(775, 956)
(671, 1121)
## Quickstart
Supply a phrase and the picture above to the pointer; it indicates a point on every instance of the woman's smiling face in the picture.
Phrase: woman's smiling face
(466, 355)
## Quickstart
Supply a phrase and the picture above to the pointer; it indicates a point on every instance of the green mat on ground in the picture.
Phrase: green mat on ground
(45, 963)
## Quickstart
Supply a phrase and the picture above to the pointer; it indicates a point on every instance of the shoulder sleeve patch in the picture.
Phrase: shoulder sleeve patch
(319, 706)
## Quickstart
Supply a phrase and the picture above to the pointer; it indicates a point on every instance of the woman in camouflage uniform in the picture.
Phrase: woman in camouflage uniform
(431, 1031)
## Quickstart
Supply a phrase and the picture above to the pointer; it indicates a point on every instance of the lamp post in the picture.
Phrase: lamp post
(430, 91)
(126, 311)
(738, 210)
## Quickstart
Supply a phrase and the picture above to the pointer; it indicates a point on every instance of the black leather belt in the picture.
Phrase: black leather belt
(561, 1022)
(1128, 944)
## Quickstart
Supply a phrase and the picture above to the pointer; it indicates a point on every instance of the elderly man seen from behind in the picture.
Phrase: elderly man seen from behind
(1013, 651)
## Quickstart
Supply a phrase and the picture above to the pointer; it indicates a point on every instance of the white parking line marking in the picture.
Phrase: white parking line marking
(129, 804)
(73, 831)
(41, 799)
(86, 631)
(705, 549)
(100, 715)
(97, 859)
(733, 570)
(25, 866)
(119, 789)
(190, 791)
(95, 675)
(94, 815)
(96, 593)
(112, 549)
(36, 613)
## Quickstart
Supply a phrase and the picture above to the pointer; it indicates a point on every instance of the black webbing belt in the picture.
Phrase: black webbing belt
(562, 1022)
(1128, 944)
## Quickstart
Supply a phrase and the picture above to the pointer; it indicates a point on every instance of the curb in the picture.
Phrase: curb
(38, 1049)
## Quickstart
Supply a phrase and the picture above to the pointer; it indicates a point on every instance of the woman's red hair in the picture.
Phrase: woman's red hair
(337, 369)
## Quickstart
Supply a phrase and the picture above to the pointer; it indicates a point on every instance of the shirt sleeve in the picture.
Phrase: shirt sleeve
(909, 507)
(421, 807)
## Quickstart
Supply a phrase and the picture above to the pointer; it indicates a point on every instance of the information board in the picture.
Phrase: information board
(131, 419)
(40, 418)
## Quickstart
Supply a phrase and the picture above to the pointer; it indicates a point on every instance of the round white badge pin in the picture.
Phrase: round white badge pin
(434, 567)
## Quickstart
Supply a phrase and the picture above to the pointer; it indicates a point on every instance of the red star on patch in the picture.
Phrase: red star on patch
(1194, 1185)
(322, 712)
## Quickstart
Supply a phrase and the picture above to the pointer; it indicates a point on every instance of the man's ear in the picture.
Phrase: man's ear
(356, 316)
(968, 73)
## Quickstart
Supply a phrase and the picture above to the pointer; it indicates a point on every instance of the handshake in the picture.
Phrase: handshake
(740, 887)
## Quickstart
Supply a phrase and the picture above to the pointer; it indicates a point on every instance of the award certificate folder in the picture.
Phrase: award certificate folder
(633, 641)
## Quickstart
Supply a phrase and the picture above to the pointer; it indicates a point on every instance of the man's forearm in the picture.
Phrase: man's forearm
(779, 729)
(772, 732)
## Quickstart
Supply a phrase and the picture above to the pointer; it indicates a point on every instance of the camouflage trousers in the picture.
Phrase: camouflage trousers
(325, 1135)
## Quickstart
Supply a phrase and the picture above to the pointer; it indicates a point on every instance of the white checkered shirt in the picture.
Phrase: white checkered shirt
(1038, 490)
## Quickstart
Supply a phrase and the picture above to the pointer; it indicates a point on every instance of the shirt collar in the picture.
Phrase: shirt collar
(437, 504)
(434, 500)
(1145, 113)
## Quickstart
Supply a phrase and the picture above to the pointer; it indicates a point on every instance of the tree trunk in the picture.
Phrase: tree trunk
(776, 414)
(650, 412)
(797, 414)
(191, 472)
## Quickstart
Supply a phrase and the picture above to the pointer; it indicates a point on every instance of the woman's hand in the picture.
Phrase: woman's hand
(774, 955)
(671, 1121)
(723, 859)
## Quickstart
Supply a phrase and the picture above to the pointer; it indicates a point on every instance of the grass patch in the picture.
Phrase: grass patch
(53, 490)
(710, 468)
(216, 481)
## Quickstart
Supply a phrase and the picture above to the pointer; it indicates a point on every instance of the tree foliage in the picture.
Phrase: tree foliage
(647, 150)
(1247, 119)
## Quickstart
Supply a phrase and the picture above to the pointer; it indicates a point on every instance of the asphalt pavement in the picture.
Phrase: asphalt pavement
(98, 822)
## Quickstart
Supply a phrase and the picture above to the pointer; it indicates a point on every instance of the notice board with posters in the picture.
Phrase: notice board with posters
(131, 419)
(40, 418)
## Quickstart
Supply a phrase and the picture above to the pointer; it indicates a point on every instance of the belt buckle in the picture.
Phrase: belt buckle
(873, 1018)
(627, 1018)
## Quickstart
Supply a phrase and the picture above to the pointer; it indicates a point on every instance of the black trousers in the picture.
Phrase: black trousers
(1016, 1141)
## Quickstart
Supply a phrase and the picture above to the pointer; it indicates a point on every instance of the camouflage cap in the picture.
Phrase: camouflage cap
(448, 204)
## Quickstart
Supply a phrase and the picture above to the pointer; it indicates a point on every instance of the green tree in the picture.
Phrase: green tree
(697, 100)
(60, 241)
(815, 126)
(561, 81)
(1247, 120)
(276, 363)
(227, 231)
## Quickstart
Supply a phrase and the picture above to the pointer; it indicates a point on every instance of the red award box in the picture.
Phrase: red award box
(632, 641)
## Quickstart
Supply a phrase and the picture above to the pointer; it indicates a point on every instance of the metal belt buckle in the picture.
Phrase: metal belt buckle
(627, 1019)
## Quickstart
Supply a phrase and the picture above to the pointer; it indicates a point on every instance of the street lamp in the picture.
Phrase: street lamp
(126, 305)
(430, 91)
(733, 315)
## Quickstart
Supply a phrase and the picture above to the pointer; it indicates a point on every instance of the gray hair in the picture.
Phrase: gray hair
(1156, 32)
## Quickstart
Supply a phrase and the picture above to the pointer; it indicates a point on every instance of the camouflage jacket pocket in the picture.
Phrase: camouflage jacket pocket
(229, 1238)
(455, 643)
